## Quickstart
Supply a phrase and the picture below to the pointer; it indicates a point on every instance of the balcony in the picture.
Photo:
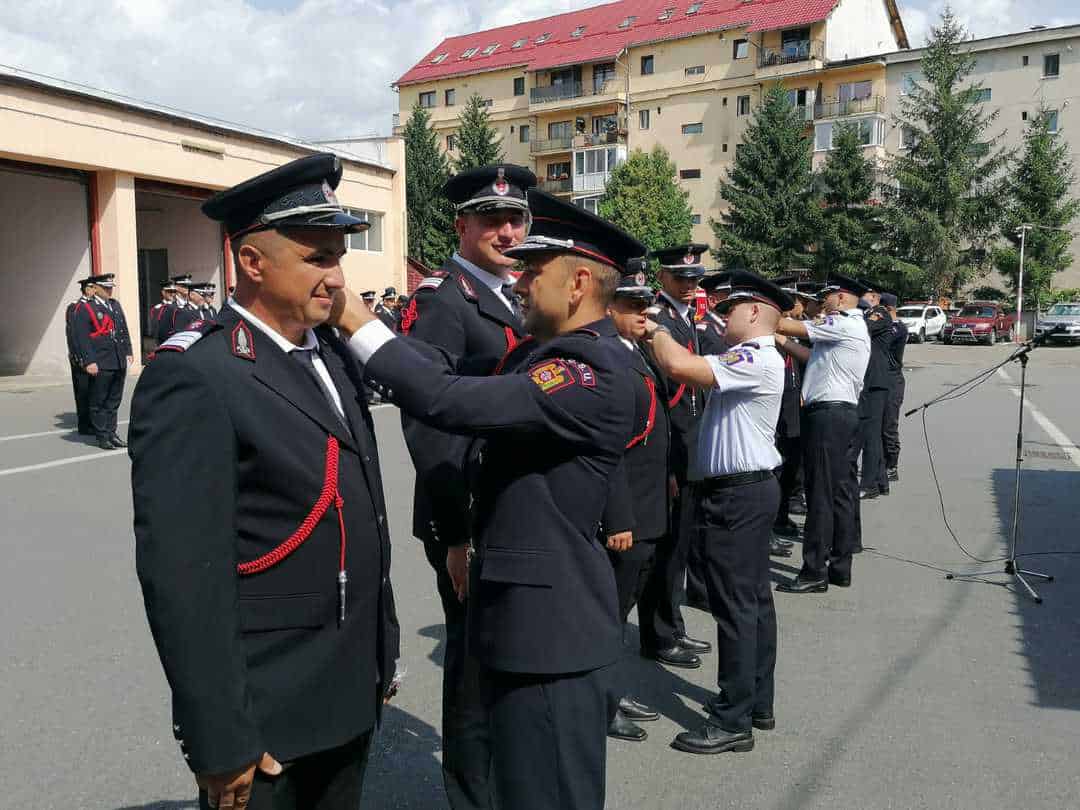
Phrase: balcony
(551, 145)
(584, 139)
(792, 53)
(568, 91)
(552, 185)
(854, 106)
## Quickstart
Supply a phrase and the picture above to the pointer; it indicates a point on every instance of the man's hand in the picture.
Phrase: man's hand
(232, 790)
(349, 312)
(457, 566)
(130, 359)
(620, 541)
(92, 369)
(650, 328)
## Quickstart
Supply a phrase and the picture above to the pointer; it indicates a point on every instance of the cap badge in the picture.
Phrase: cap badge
(242, 343)
(689, 258)
(329, 194)
(500, 186)
(639, 279)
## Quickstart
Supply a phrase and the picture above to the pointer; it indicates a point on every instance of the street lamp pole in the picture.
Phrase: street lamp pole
(1023, 229)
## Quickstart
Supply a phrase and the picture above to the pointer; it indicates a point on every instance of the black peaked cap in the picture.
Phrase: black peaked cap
(836, 282)
(682, 260)
(746, 286)
(491, 188)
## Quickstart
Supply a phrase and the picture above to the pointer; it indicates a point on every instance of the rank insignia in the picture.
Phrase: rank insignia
(585, 373)
(243, 345)
(823, 320)
(736, 356)
(551, 376)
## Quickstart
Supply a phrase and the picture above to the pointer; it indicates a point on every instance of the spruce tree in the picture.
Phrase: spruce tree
(1038, 193)
(774, 211)
(477, 141)
(946, 201)
(430, 215)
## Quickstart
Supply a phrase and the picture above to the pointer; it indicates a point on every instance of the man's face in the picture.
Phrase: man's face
(812, 308)
(483, 238)
(545, 289)
(296, 272)
(106, 292)
(629, 316)
(838, 300)
(718, 297)
(370, 303)
(166, 295)
(196, 298)
(797, 310)
(872, 298)
(679, 288)
(389, 303)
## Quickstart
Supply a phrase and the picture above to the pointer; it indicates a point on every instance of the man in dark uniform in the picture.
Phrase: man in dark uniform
(711, 327)
(123, 337)
(788, 434)
(207, 291)
(171, 314)
(80, 380)
(197, 308)
(891, 425)
(467, 309)
(875, 399)
(385, 308)
(99, 344)
(666, 639)
(739, 498)
(543, 609)
(154, 316)
(270, 603)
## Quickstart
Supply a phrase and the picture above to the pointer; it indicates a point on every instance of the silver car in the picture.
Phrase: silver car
(1060, 324)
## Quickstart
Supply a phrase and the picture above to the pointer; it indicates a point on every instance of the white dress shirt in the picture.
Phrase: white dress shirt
(310, 343)
(490, 280)
(678, 306)
(738, 428)
(838, 358)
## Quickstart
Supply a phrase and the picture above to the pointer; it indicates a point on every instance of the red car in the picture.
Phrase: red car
(979, 322)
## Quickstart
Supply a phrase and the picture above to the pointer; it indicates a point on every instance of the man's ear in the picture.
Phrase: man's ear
(251, 262)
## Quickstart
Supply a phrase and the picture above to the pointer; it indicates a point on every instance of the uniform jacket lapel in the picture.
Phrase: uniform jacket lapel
(487, 302)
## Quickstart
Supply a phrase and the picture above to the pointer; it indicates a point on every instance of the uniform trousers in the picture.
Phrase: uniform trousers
(80, 386)
(830, 456)
(549, 738)
(672, 557)
(735, 525)
(106, 391)
(789, 474)
(466, 760)
(872, 405)
(636, 584)
(328, 780)
(890, 428)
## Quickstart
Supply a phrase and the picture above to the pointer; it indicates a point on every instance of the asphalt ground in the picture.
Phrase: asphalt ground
(905, 691)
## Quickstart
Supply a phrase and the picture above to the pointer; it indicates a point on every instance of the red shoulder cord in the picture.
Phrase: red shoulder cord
(682, 388)
(100, 327)
(650, 422)
(330, 495)
(512, 343)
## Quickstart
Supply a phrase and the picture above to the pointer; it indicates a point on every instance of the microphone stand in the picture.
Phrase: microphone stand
(1012, 567)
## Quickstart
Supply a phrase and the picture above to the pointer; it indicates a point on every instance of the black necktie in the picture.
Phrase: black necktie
(511, 296)
(305, 356)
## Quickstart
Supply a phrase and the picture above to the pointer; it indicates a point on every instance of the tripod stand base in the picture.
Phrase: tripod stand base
(1014, 571)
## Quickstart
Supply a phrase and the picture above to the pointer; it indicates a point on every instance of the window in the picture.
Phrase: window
(519, 86)
(577, 32)
(738, 149)
(427, 100)
(695, 219)
(854, 91)
(560, 129)
(740, 49)
(689, 174)
(696, 70)
(558, 171)
(1051, 65)
(523, 133)
(371, 239)
(723, 147)
(823, 137)
(1024, 60)
(797, 98)
(908, 83)
(451, 143)
(590, 204)
(1023, 115)
(627, 22)
(596, 161)
(487, 102)
(603, 124)
(724, 104)
(665, 14)
(518, 43)
(465, 54)
(693, 129)
(437, 59)
(871, 133)
(742, 105)
(694, 8)
(909, 137)
(643, 119)
(647, 65)
(490, 49)
(795, 43)
(979, 149)
(1052, 121)
(601, 75)
(540, 40)
(448, 97)
(983, 94)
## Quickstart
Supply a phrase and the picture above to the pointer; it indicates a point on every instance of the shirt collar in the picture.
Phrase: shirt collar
(855, 311)
(490, 280)
(99, 299)
(627, 343)
(762, 341)
(282, 342)
(681, 308)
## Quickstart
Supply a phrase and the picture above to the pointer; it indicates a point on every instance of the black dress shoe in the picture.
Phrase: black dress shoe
(838, 580)
(800, 585)
(797, 507)
(117, 441)
(712, 739)
(621, 728)
(778, 549)
(867, 494)
(105, 444)
(676, 657)
(893, 474)
(789, 529)
(763, 722)
(638, 712)
(87, 432)
(693, 644)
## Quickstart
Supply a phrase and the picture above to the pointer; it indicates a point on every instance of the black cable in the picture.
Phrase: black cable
(920, 563)
(1046, 554)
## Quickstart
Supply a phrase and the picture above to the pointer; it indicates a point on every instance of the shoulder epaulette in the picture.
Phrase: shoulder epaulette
(182, 341)
(431, 283)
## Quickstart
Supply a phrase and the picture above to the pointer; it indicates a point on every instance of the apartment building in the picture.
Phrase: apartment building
(571, 94)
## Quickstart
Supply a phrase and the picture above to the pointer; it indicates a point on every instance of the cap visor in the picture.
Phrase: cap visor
(339, 221)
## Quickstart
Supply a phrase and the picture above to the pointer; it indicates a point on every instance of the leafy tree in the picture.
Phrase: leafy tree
(430, 215)
(1038, 192)
(477, 141)
(643, 198)
(1068, 295)
(987, 293)
(946, 203)
(774, 211)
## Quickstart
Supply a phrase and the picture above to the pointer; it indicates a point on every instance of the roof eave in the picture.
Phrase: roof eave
(897, 24)
(455, 74)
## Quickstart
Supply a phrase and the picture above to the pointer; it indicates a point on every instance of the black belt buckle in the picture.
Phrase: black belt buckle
(738, 479)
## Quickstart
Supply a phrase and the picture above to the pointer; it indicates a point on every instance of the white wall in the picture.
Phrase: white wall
(177, 225)
(858, 28)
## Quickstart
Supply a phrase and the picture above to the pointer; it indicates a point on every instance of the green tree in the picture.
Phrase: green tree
(430, 215)
(1038, 193)
(948, 184)
(643, 198)
(478, 144)
(774, 210)
(851, 231)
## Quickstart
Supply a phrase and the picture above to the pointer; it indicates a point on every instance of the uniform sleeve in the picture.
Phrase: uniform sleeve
(181, 447)
(830, 328)
(81, 327)
(125, 334)
(738, 370)
(619, 509)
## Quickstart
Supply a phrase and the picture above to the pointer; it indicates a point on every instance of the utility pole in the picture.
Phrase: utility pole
(1023, 229)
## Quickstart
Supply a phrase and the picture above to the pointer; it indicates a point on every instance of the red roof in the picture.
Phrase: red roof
(602, 38)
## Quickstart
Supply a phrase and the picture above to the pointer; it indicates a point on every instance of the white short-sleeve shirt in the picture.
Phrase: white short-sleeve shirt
(838, 357)
(738, 428)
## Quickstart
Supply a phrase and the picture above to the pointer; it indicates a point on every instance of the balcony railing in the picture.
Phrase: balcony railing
(838, 109)
(557, 186)
(568, 90)
(790, 54)
(551, 145)
(585, 139)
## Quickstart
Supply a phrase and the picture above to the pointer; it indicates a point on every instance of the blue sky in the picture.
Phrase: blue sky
(315, 69)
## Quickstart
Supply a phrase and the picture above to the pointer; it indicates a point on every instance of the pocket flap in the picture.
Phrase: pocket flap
(283, 612)
(517, 566)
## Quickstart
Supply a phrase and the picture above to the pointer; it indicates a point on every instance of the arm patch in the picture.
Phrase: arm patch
(553, 375)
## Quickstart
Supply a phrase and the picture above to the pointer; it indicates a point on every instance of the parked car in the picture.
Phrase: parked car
(979, 322)
(1061, 323)
(922, 321)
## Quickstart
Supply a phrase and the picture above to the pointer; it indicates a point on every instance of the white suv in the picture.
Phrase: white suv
(922, 321)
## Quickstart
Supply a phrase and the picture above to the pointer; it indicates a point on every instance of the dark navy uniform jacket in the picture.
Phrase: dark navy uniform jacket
(123, 336)
(454, 312)
(229, 442)
(557, 420)
(69, 332)
(685, 403)
(878, 374)
(896, 348)
(95, 337)
(166, 321)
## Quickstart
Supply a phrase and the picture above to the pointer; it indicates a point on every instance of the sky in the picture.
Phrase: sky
(316, 69)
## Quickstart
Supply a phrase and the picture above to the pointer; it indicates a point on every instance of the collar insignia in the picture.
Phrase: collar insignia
(243, 344)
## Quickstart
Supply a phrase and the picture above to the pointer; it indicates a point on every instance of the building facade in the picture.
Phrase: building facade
(94, 183)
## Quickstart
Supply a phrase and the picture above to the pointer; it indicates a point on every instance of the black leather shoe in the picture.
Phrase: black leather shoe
(677, 657)
(117, 441)
(712, 739)
(763, 722)
(838, 580)
(693, 644)
(638, 712)
(867, 494)
(789, 529)
(800, 585)
(778, 549)
(105, 444)
(620, 728)
(893, 474)
(797, 507)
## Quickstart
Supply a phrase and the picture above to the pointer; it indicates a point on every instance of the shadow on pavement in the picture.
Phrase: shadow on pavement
(404, 771)
(182, 804)
(438, 633)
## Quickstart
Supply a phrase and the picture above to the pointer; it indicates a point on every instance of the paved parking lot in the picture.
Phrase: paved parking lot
(906, 691)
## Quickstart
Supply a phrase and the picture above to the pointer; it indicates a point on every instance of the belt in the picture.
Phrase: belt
(830, 405)
(736, 479)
